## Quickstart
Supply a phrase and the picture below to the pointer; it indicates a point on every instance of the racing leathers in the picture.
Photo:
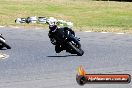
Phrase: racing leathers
(58, 47)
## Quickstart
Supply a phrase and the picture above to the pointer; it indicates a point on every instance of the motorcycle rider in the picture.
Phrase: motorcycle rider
(53, 27)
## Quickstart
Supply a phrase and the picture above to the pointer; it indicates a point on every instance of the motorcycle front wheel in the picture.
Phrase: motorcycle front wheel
(75, 46)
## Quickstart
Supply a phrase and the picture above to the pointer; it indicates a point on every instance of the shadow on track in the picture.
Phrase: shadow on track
(3, 49)
(62, 56)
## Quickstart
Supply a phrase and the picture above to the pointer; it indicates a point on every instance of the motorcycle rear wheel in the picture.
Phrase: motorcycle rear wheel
(4, 45)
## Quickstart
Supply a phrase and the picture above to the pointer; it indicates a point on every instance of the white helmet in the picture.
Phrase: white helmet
(52, 21)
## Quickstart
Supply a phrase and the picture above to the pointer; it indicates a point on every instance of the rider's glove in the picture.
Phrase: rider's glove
(53, 41)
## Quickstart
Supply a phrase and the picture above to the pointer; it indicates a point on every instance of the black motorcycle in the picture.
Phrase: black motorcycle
(3, 43)
(66, 40)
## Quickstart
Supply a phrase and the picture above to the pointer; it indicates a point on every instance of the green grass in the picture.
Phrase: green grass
(85, 14)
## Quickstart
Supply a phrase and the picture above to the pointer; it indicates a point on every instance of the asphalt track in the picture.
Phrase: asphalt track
(33, 63)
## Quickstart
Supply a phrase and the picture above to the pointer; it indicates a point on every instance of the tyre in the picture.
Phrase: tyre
(76, 47)
(3, 44)
(7, 46)
(81, 52)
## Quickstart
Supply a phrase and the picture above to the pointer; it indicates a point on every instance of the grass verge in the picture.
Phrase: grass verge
(85, 14)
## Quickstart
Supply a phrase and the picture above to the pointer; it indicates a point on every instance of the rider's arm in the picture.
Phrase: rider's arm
(53, 41)
(69, 29)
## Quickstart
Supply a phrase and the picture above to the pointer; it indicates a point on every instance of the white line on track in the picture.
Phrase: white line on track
(2, 26)
(38, 28)
(88, 31)
(15, 27)
(84, 31)
(104, 32)
(3, 56)
(120, 33)
(107, 32)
